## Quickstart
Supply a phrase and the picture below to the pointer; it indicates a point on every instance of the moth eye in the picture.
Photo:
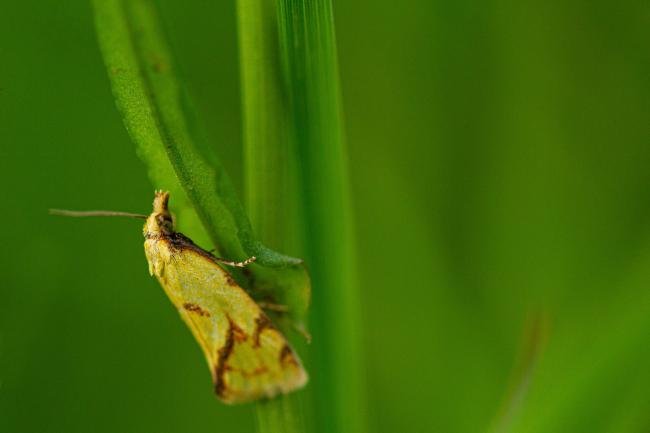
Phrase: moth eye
(164, 220)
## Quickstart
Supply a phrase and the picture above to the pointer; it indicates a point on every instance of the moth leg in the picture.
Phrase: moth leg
(236, 264)
(278, 308)
(300, 329)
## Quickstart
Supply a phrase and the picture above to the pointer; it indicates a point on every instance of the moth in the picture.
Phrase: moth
(249, 358)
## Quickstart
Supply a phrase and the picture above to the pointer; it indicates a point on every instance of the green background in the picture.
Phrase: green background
(499, 155)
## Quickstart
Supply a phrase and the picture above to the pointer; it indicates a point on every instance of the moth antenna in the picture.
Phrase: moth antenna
(96, 213)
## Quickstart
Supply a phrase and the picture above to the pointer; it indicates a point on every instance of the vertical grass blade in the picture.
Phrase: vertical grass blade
(272, 178)
(297, 188)
(309, 61)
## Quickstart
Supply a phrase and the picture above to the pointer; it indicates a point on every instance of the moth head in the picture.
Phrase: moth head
(160, 221)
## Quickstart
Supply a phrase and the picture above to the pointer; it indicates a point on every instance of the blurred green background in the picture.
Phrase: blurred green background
(499, 156)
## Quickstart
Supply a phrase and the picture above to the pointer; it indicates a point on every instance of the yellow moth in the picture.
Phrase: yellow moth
(248, 357)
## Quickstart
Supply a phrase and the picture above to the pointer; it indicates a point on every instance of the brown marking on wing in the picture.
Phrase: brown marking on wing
(178, 241)
(223, 354)
(196, 309)
(238, 334)
(230, 281)
(263, 369)
(287, 356)
(261, 323)
(259, 370)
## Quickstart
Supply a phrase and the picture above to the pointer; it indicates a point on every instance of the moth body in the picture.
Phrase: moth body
(248, 357)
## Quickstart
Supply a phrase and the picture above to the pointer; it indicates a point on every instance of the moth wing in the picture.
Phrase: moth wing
(248, 357)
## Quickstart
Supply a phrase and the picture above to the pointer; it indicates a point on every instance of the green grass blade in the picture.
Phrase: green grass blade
(272, 178)
(161, 120)
(309, 61)
(297, 188)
